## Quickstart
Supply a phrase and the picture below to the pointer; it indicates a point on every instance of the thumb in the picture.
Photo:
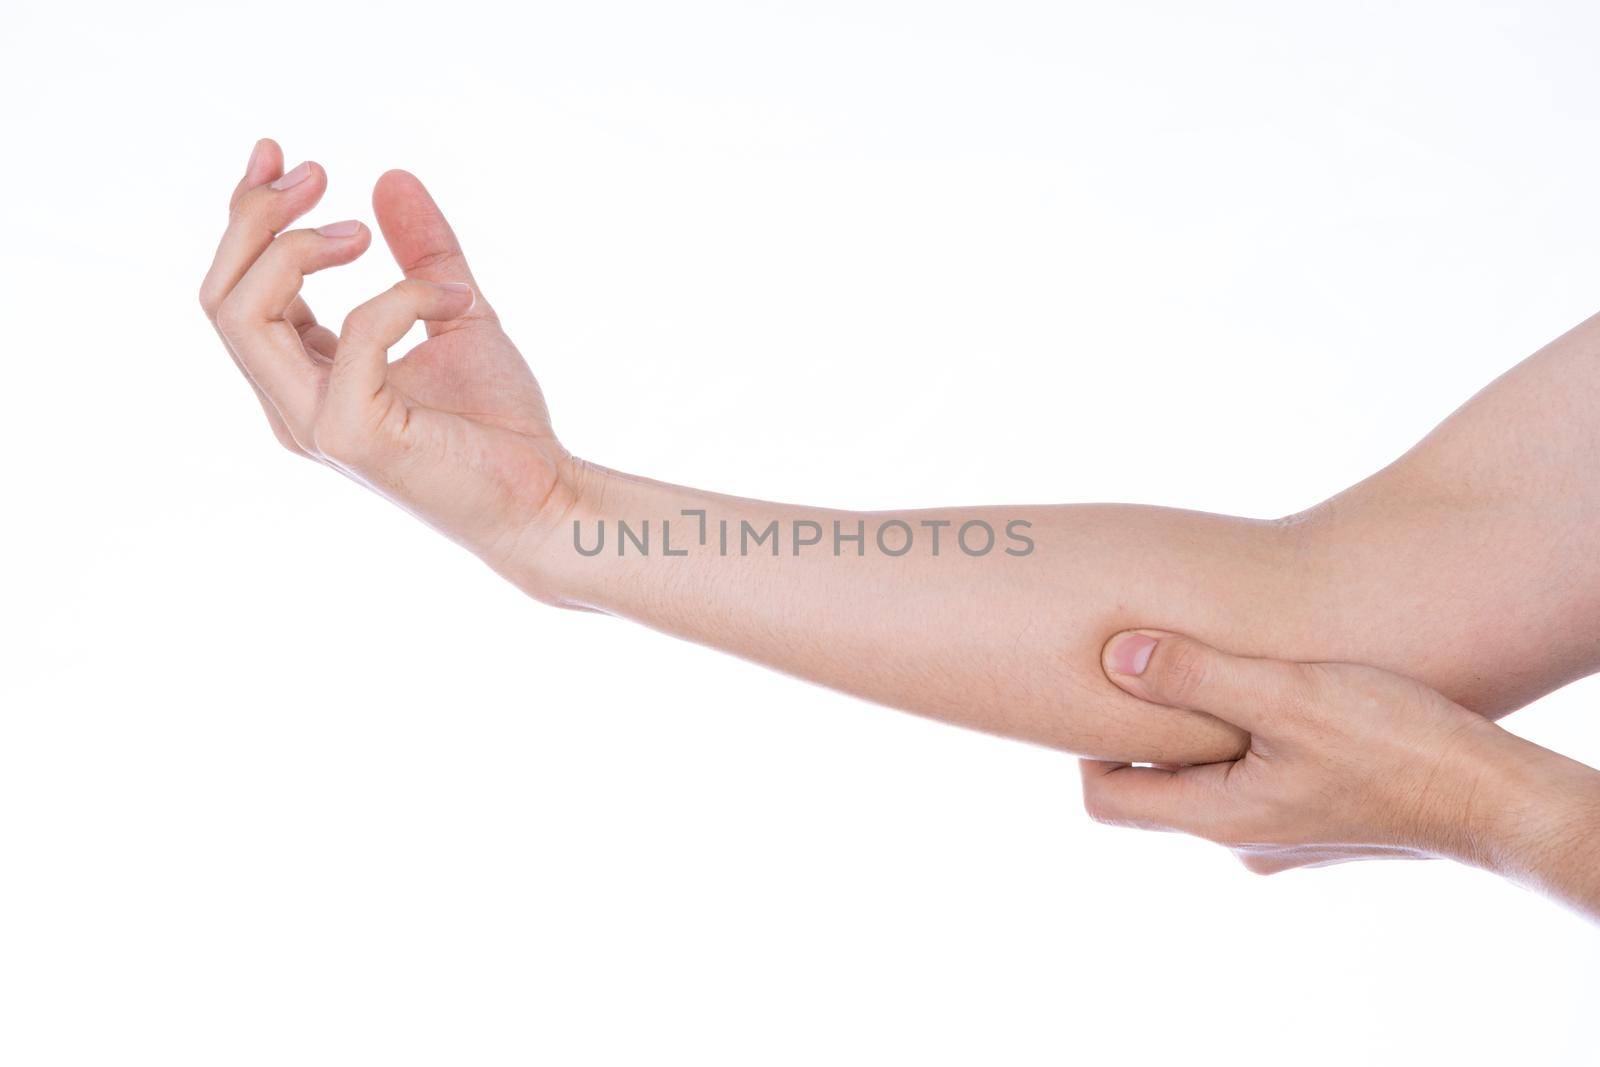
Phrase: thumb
(1180, 672)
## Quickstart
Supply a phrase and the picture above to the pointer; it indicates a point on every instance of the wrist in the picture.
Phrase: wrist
(1528, 803)
(537, 555)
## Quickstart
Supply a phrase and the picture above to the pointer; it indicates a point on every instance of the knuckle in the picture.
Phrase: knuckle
(210, 298)
(1183, 672)
(370, 324)
(1311, 686)
(1108, 812)
(446, 257)
(289, 248)
(1098, 811)
(249, 206)
(1097, 804)
(1257, 864)
(1313, 678)
(360, 326)
(410, 294)
(230, 315)
(286, 253)
(247, 221)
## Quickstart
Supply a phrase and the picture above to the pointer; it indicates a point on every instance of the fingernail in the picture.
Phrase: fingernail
(1130, 653)
(348, 228)
(458, 287)
(293, 178)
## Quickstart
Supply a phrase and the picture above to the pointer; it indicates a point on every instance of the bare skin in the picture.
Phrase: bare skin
(1348, 762)
(1472, 563)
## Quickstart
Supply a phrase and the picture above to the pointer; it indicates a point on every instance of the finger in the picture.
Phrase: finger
(266, 163)
(422, 241)
(1274, 859)
(252, 318)
(1192, 800)
(360, 366)
(256, 215)
(319, 341)
(1167, 668)
(1277, 862)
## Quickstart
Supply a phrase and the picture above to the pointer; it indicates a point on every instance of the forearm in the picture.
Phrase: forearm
(1010, 643)
(1470, 564)
(998, 640)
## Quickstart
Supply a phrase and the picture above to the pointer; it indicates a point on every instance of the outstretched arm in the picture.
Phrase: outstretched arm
(1471, 562)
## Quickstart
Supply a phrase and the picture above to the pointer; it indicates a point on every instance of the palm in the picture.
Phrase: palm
(475, 407)
(474, 372)
(477, 419)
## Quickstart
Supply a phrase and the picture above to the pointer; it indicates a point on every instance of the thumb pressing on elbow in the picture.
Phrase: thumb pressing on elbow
(1180, 672)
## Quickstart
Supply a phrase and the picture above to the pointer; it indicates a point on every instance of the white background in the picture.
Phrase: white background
(285, 778)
